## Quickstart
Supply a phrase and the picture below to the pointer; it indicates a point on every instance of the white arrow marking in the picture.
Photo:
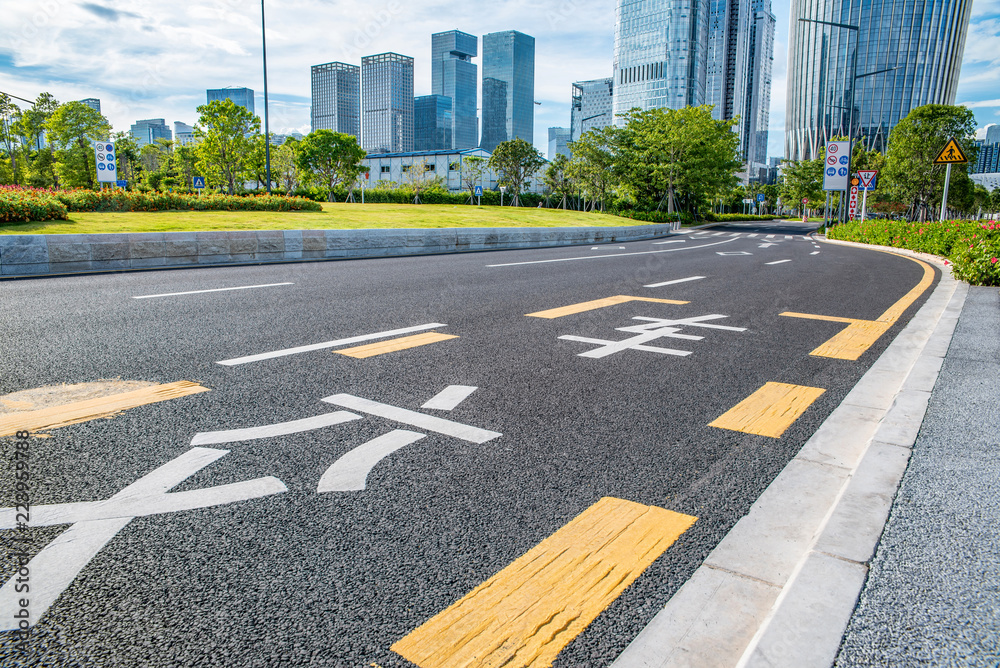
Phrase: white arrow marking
(414, 419)
(350, 472)
(270, 430)
(450, 397)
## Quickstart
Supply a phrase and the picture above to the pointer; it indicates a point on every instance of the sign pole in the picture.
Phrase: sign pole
(944, 198)
(864, 205)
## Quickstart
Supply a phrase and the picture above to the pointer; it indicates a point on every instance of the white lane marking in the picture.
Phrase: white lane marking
(753, 236)
(676, 280)
(607, 247)
(57, 565)
(270, 430)
(601, 257)
(330, 344)
(731, 253)
(198, 292)
(777, 262)
(788, 236)
(676, 241)
(766, 245)
(814, 253)
(450, 397)
(770, 236)
(414, 419)
(735, 234)
(350, 472)
(717, 234)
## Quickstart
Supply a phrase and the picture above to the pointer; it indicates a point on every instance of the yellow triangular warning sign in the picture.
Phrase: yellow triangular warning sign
(950, 154)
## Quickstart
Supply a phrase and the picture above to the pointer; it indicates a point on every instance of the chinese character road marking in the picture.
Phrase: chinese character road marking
(450, 397)
(414, 419)
(269, 430)
(350, 472)
(656, 329)
(95, 523)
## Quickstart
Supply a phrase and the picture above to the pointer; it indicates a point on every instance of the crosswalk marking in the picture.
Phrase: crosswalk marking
(529, 611)
(770, 410)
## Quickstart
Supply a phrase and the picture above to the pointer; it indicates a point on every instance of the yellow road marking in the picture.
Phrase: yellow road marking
(91, 409)
(770, 410)
(596, 304)
(528, 612)
(860, 335)
(392, 345)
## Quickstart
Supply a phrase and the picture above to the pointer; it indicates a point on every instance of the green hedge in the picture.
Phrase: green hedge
(972, 247)
(122, 200)
(724, 217)
(22, 206)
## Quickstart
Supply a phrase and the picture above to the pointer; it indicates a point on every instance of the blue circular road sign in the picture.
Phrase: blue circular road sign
(844, 159)
(843, 171)
(832, 171)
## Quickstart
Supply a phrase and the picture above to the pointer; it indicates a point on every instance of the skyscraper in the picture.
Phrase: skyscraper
(387, 103)
(661, 51)
(558, 143)
(454, 75)
(592, 106)
(432, 123)
(993, 134)
(92, 102)
(726, 75)
(922, 39)
(508, 88)
(149, 130)
(183, 134)
(242, 97)
(336, 98)
(756, 112)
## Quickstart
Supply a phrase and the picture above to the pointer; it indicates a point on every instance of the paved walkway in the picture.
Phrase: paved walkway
(933, 592)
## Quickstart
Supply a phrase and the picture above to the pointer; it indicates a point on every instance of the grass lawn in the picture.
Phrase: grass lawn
(334, 216)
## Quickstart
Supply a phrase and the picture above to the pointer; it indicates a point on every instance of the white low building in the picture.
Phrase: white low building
(405, 168)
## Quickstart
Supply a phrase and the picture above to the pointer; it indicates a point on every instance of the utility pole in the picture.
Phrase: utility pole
(267, 134)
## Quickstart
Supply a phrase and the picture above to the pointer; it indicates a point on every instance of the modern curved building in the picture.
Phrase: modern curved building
(922, 39)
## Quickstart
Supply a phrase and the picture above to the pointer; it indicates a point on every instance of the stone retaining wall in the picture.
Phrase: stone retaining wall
(40, 254)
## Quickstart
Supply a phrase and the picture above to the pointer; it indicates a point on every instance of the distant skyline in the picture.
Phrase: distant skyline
(156, 59)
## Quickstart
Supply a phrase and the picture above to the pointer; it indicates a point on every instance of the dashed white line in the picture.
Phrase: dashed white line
(770, 236)
(814, 253)
(601, 257)
(777, 262)
(676, 280)
(751, 236)
(198, 292)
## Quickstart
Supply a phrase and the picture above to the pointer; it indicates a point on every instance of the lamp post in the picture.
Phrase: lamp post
(502, 189)
(267, 134)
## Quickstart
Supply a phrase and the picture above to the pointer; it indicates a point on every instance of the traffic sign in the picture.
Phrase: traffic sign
(121, 183)
(479, 191)
(760, 197)
(104, 155)
(951, 154)
(837, 165)
(868, 178)
(198, 182)
(853, 202)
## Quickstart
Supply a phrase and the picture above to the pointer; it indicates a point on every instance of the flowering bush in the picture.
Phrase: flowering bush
(18, 205)
(972, 246)
(122, 200)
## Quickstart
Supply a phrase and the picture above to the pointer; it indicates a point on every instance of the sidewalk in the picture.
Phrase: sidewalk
(932, 596)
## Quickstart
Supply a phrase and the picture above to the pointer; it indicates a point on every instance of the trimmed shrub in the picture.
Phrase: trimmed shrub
(18, 205)
(116, 200)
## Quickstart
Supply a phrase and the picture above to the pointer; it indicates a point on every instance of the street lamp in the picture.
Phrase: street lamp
(502, 189)
(267, 134)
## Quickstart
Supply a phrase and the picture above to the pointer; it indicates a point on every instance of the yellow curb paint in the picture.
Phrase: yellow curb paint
(392, 345)
(860, 335)
(92, 409)
(770, 410)
(528, 612)
(596, 304)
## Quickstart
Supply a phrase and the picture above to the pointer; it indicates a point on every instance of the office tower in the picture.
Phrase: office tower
(592, 106)
(183, 134)
(149, 130)
(508, 88)
(92, 102)
(432, 123)
(661, 49)
(993, 134)
(454, 75)
(336, 98)
(242, 97)
(387, 103)
(921, 39)
(755, 115)
(989, 157)
(559, 142)
(727, 60)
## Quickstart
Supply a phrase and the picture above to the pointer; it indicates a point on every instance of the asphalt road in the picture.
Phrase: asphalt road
(334, 578)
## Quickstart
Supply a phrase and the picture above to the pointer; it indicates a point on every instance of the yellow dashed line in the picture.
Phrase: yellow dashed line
(91, 409)
(770, 410)
(528, 612)
(596, 304)
(392, 345)
(860, 335)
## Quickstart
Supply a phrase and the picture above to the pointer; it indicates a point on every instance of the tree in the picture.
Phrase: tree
(330, 158)
(283, 168)
(225, 130)
(515, 161)
(592, 166)
(803, 179)
(915, 142)
(73, 129)
(558, 181)
(129, 158)
(473, 167)
(38, 158)
(8, 138)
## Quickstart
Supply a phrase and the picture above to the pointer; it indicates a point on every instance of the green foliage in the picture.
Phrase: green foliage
(23, 205)
(330, 159)
(226, 130)
(473, 167)
(72, 130)
(515, 161)
(593, 163)
(803, 179)
(122, 200)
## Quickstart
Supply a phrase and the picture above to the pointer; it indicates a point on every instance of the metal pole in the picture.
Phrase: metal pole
(864, 205)
(944, 198)
(267, 134)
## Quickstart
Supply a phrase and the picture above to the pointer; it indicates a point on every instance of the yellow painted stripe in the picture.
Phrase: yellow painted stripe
(596, 304)
(91, 409)
(528, 612)
(392, 345)
(859, 335)
(770, 410)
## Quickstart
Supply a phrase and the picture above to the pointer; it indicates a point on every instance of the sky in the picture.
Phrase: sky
(155, 59)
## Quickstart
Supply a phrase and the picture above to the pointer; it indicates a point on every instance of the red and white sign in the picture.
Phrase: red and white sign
(853, 202)
(866, 176)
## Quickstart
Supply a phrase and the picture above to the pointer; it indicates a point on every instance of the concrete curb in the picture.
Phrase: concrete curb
(780, 588)
(48, 254)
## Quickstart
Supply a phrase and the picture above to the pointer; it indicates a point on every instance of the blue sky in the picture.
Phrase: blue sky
(154, 59)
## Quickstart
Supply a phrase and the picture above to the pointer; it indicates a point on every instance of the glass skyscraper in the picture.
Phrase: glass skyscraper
(432, 123)
(508, 88)
(454, 75)
(336, 98)
(592, 106)
(726, 62)
(387, 103)
(661, 52)
(149, 130)
(756, 112)
(242, 97)
(923, 39)
(559, 143)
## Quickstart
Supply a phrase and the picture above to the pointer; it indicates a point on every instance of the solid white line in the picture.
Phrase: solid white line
(676, 280)
(329, 344)
(677, 241)
(414, 419)
(350, 472)
(450, 397)
(269, 430)
(198, 292)
(601, 257)
(777, 262)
